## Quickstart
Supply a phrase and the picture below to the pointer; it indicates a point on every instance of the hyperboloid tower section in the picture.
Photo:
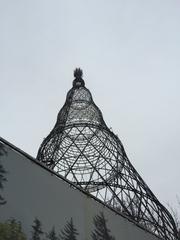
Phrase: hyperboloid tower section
(84, 150)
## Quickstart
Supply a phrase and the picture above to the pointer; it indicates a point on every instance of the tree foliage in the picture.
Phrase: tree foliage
(11, 230)
(51, 235)
(2, 179)
(37, 230)
(2, 149)
(176, 215)
(69, 232)
(2, 173)
(101, 231)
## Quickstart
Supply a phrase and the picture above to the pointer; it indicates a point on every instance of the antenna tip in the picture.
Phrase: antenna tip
(78, 73)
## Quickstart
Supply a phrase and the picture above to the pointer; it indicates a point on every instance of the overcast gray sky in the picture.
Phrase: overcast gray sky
(130, 55)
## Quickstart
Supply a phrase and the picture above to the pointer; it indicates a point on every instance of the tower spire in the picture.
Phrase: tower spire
(78, 73)
(82, 149)
(78, 81)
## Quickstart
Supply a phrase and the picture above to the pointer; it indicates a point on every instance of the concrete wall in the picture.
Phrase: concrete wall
(33, 191)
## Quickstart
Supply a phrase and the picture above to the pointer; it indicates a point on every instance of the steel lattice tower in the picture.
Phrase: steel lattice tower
(84, 150)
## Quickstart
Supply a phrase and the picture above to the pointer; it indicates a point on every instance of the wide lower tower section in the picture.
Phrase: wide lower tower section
(84, 150)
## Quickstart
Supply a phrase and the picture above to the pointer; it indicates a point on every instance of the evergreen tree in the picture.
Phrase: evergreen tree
(11, 230)
(2, 149)
(52, 235)
(37, 230)
(2, 173)
(101, 231)
(2, 179)
(69, 232)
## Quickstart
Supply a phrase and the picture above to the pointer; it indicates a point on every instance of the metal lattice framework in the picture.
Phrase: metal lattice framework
(85, 151)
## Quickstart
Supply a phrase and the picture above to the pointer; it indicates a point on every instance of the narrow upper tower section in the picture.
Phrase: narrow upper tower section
(79, 107)
(82, 149)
